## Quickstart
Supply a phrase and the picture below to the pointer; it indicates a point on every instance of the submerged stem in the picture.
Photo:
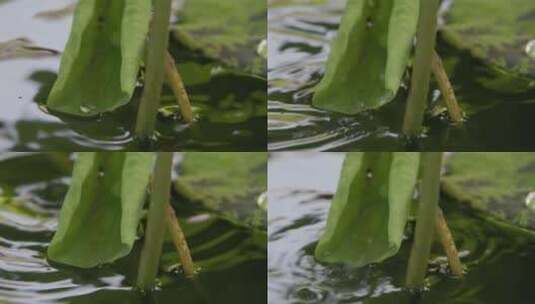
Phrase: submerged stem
(425, 220)
(156, 50)
(421, 73)
(154, 234)
(446, 239)
(177, 85)
(181, 245)
(445, 87)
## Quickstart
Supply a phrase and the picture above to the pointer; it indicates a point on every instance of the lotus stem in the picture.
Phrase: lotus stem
(421, 73)
(154, 234)
(446, 239)
(177, 85)
(446, 88)
(155, 71)
(181, 245)
(425, 220)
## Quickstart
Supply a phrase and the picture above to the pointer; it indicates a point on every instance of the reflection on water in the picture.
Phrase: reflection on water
(299, 37)
(233, 267)
(231, 109)
(499, 262)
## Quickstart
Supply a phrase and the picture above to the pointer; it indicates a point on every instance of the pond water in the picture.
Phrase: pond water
(298, 44)
(499, 262)
(232, 263)
(230, 108)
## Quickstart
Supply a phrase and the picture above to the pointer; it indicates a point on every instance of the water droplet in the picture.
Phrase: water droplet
(85, 109)
(262, 49)
(170, 112)
(530, 49)
(530, 200)
(100, 172)
(43, 108)
(369, 173)
(262, 201)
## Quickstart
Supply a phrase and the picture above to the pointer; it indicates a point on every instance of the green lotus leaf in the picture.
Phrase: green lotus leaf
(231, 32)
(230, 184)
(99, 217)
(368, 56)
(499, 33)
(498, 185)
(369, 211)
(100, 64)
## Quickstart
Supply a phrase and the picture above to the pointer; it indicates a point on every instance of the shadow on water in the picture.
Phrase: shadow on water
(299, 37)
(230, 108)
(32, 186)
(499, 262)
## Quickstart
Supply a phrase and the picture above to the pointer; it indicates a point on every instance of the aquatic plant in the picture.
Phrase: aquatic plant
(102, 212)
(371, 53)
(104, 54)
(370, 211)
(370, 208)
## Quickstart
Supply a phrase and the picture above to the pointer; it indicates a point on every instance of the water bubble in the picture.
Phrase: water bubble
(43, 108)
(100, 172)
(86, 109)
(530, 200)
(262, 201)
(530, 49)
(310, 294)
(262, 49)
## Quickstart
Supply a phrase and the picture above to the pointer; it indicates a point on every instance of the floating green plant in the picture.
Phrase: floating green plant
(498, 33)
(231, 32)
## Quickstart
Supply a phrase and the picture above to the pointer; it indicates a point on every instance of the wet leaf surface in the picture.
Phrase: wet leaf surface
(99, 218)
(368, 56)
(496, 184)
(230, 32)
(370, 209)
(100, 63)
(230, 184)
(499, 33)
